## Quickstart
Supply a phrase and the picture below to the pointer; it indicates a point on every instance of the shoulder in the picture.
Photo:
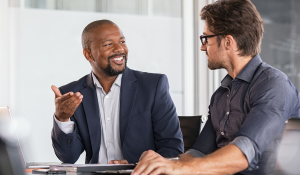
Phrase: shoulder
(73, 86)
(270, 76)
(147, 75)
(149, 78)
(273, 82)
(147, 82)
(272, 72)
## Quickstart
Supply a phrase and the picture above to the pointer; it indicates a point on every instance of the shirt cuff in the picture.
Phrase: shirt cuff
(66, 127)
(247, 147)
(195, 153)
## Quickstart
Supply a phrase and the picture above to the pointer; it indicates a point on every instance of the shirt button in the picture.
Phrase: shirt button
(227, 95)
(108, 140)
(108, 118)
(227, 113)
(107, 96)
(222, 133)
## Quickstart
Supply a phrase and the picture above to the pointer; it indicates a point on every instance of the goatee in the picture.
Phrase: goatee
(110, 71)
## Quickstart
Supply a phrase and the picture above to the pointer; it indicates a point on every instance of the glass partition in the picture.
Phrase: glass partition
(171, 8)
(281, 42)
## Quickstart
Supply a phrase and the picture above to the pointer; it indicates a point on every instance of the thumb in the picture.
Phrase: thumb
(56, 91)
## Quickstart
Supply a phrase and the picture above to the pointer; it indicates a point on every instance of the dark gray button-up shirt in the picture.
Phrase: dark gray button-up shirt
(254, 105)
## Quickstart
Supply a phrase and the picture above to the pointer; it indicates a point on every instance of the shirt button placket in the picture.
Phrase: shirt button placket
(226, 114)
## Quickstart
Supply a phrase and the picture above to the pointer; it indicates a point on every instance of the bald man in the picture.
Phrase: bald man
(114, 113)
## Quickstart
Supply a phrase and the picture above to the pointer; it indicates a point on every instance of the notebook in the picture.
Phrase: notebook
(92, 167)
(6, 123)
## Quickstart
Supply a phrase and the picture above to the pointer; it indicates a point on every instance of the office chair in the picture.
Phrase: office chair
(289, 152)
(190, 127)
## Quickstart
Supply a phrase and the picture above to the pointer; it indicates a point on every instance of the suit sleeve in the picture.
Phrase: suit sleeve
(67, 147)
(166, 128)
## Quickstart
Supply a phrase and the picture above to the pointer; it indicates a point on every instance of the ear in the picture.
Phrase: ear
(229, 42)
(88, 55)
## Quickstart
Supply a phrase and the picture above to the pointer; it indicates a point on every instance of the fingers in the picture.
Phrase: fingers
(64, 97)
(56, 91)
(148, 167)
(152, 167)
(73, 101)
(153, 164)
(113, 162)
(143, 155)
(70, 105)
(68, 97)
(148, 155)
(123, 161)
(66, 105)
(159, 165)
(149, 161)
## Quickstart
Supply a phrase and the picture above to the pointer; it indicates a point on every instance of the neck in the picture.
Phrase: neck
(237, 63)
(105, 81)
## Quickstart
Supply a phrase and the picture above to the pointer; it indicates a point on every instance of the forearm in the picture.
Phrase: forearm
(227, 160)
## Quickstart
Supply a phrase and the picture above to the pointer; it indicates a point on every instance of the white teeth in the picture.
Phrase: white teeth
(119, 59)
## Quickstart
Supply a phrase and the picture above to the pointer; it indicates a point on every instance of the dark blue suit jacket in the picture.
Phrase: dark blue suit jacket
(148, 120)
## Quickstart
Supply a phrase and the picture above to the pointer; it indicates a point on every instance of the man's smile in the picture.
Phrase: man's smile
(118, 59)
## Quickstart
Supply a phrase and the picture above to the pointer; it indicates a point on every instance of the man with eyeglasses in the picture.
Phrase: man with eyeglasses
(247, 113)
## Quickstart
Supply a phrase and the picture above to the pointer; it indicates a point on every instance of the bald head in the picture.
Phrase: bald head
(86, 36)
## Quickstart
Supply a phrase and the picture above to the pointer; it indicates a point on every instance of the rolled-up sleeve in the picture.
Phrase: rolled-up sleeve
(247, 147)
(271, 101)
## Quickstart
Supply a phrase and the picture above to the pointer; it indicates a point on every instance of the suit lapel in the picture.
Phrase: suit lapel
(127, 97)
(91, 108)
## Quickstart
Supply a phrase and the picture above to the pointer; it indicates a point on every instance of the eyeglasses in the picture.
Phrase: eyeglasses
(203, 38)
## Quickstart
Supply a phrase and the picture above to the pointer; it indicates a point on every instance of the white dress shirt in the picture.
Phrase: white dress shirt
(109, 107)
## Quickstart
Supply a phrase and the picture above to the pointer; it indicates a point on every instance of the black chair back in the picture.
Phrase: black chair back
(190, 127)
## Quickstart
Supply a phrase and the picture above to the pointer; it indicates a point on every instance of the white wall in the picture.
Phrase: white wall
(3, 53)
(45, 49)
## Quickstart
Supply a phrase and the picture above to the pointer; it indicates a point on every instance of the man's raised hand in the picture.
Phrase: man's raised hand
(65, 105)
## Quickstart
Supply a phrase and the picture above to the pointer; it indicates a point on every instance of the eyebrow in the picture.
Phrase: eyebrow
(204, 33)
(111, 39)
(107, 40)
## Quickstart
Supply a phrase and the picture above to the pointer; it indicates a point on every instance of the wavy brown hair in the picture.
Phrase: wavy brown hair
(238, 18)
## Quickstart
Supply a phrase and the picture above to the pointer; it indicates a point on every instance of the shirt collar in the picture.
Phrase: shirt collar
(226, 81)
(246, 73)
(116, 82)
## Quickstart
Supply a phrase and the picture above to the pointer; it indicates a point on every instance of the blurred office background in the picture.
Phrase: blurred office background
(40, 46)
